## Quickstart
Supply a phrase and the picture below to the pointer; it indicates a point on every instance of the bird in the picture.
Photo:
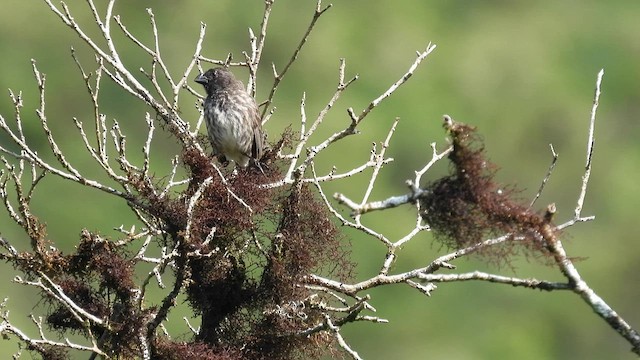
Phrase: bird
(232, 119)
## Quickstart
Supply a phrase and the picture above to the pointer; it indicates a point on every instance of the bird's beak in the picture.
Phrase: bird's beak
(201, 79)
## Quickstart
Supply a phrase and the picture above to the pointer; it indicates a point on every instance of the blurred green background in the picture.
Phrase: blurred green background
(523, 72)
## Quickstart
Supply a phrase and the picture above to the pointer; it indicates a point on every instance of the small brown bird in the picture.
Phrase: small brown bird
(231, 115)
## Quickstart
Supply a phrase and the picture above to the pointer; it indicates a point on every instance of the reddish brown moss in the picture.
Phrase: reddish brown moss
(252, 268)
(236, 286)
(84, 296)
(171, 350)
(469, 206)
(49, 352)
(102, 258)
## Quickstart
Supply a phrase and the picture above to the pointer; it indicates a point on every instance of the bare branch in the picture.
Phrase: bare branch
(396, 85)
(590, 144)
(394, 201)
(597, 304)
(378, 165)
(546, 178)
(197, 233)
(279, 76)
(257, 45)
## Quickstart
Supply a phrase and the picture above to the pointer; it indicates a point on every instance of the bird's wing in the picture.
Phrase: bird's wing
(257, 145)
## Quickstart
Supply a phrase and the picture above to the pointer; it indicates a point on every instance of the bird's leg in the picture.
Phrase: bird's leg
(223, 160)
(258, 166)
(234, 173)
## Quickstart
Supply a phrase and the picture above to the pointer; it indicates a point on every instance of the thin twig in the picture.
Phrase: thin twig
(590, 145)
(546, 178)
(279, 76)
